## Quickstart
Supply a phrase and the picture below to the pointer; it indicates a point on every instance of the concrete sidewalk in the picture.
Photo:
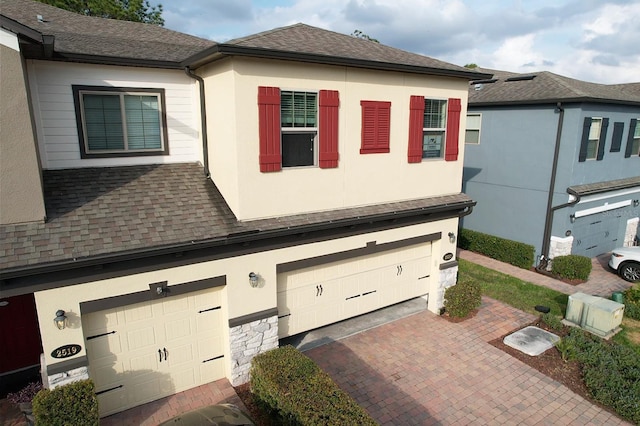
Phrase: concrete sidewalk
(602, 281)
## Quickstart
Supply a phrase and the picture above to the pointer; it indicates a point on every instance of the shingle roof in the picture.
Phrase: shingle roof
(79, 35)
(311, 44)
(547, 87)
(606, 186)
(94, 212)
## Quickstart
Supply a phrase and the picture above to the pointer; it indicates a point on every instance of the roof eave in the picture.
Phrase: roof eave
(473, 104)
(456, 208)
(20, 29)
(111, 60)
(221, 50)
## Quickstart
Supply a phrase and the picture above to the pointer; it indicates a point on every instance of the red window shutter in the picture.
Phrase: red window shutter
(269, 124)
(328, 103)
(376, 127)
(416, 121)
(453, 129)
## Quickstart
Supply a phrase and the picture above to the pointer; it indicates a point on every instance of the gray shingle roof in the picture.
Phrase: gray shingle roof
(606, 186)
(547, 87)
(311, 44)
(81, 35)
(94, 212)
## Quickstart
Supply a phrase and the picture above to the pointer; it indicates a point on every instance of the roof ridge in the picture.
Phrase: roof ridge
(262, 33)
(563, 82)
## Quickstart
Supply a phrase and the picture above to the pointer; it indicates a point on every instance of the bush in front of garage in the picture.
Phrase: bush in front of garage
(572, 267)
(293, 388)
(509, 251)
(461, 299)
(72, 404)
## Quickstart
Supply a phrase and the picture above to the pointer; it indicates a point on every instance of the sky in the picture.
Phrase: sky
(590, 40)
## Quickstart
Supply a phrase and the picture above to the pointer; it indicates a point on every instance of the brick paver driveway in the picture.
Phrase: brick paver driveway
(424, 370)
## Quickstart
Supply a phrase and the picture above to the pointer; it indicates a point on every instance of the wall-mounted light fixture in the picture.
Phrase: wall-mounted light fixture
(452, 237)
(60, 320)
(254, 279)
(572, 218)
(636, 203)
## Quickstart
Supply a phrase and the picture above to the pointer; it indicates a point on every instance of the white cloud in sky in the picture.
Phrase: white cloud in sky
(592, 40)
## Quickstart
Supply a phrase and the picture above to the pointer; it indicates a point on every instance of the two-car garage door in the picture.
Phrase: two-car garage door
(318, 295)
(142, 352)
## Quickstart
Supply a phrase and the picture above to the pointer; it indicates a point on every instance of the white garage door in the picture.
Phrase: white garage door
(316, 296)
(143, 352)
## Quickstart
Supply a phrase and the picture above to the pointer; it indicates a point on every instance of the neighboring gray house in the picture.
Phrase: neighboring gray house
(553, 162)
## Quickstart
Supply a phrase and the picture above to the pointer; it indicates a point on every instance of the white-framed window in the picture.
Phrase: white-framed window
(635, 144)
(115, 122)
(472, 132)
(434, 128)
(594, 138)
(299, 123)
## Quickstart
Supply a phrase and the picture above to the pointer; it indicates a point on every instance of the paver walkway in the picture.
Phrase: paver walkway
(425, 370)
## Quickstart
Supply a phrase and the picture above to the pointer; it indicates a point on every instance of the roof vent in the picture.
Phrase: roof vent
(40, 18)
(493, 80)
(478, 86)
(521, 78)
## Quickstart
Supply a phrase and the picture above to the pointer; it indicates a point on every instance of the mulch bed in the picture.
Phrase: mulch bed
(558, 277)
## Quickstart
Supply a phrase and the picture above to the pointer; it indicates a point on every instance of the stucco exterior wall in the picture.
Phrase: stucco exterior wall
(240, 299)
(359, 179)
(51, 90)
(21, 198)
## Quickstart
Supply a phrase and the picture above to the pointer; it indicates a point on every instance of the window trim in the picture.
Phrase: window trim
(479, 129)
(301, 130)
(79, 90)
(443, 144)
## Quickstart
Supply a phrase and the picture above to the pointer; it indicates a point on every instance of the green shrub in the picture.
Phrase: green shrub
(572, 267)
(512, 252)
(462, 298)
(72, 404)
(298, 392)
(554, 322)
(632, 302)
(611, 373)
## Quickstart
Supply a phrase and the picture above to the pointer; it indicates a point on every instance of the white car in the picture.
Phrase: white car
(626, 261)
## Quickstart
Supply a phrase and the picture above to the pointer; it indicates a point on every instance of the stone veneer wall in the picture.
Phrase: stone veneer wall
(52, 381)
(247, 341)
(631, 232)
(560, 246)
(448, 278)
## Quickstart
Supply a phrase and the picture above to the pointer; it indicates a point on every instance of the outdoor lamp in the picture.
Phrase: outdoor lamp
(452, 237)
(60, 320)
(253, 279)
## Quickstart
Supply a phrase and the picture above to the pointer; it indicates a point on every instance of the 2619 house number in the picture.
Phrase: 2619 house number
(66, 351)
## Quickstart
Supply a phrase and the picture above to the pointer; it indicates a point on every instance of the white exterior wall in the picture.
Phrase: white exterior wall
(359, 179)
(239, 298)
(54, 111)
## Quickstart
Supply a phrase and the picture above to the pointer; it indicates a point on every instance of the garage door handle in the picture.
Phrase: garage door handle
(160, 353)
(165, 353)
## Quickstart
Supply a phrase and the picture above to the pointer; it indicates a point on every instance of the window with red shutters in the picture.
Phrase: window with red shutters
(434, 127)
(376, 127)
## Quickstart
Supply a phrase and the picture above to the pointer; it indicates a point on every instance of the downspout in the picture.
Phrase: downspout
(544, 257)
(203, 120)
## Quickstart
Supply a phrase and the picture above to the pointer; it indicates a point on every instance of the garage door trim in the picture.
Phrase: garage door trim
(371, 248)
(148, 295)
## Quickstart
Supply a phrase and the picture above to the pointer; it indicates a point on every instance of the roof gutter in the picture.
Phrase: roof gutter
(252, 235)
(203, 119)
(218, 51)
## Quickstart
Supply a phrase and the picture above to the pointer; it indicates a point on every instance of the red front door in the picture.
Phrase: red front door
(19, 333)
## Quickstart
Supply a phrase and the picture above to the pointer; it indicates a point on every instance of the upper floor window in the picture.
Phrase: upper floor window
(434, 127)
(634, 138)
(299, 119)
(297, 128)
(594, 134)
(472, 133)
(115, 122)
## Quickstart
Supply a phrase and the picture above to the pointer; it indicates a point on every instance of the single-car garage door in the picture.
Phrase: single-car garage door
(143, 352)
(319, 295)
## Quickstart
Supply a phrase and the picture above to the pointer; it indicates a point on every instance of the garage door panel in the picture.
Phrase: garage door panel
(133, 356)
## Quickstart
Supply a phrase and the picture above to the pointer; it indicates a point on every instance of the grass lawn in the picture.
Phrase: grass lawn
(512, 291)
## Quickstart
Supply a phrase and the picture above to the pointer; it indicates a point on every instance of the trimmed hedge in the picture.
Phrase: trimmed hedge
(573, 267)
(462, 298)
(72, 404)
(512, 252)
(611, 372)
(632, 302)
(291, 386)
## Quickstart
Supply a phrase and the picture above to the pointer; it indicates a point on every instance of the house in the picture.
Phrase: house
(553, 162)
(173, 206)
